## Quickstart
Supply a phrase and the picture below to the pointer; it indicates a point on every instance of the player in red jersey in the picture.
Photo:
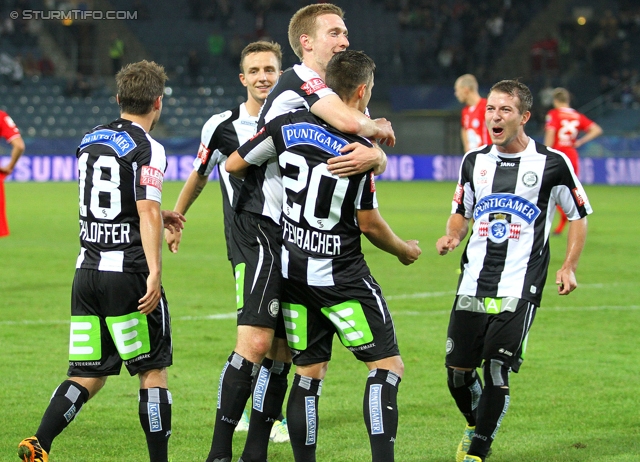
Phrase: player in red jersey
(562, 127)
(474, 131)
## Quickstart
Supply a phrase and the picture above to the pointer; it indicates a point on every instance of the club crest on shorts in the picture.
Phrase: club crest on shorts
(274, 307)
(450, 345)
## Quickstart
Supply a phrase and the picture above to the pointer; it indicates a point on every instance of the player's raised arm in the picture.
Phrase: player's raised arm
(382, 236)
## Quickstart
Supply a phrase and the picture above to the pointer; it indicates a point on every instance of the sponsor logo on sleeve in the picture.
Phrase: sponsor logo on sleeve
(203, 154)
(151, 177)
(579, 195)
(373, 182)
(457, 197)
(314, 85)
(260, 132)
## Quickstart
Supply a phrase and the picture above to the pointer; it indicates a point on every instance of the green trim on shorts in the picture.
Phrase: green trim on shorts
(295, 322)
(130, 334)
(239, 272)
(84, 339)
(350, 322)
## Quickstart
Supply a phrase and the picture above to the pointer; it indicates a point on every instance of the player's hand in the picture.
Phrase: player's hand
(360, 159)
(173, 221)
(411, 254)
(566, 281)
(173, 239)
(6, 170)
(385, 133)
(447, 244)
(150, 301)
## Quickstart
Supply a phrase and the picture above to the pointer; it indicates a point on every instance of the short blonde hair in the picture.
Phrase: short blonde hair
(561, 95)
(303, 22)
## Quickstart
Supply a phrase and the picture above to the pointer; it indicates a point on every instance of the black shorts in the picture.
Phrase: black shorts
(357, 312)
(475, 335)
(256, 245)
(107, 329)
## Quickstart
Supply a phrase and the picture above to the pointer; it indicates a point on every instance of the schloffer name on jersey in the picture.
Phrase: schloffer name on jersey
(105, 233)
(312, 241)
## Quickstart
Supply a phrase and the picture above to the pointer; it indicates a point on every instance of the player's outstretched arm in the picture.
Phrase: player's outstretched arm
(190, 191)
(236, 165)
(382, 236)
(151, 236)
(565, 276)
(17, 149)
(358, 158)
(336, 113)
(457, 228)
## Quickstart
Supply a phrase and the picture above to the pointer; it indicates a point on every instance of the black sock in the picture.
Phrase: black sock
(269, 390)
(65, 404)
(466, 389)
(234, 390)
(380, 409)
(302, 417)
(492, 408)
(154, 411)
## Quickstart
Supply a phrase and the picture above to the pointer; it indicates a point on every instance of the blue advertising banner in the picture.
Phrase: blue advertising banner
(610, 170)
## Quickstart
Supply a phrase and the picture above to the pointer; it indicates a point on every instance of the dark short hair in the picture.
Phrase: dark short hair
(260, 47)
(139, 85)
(347, 70)
(515, 88)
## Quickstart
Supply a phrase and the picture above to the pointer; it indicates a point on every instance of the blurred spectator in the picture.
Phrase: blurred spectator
(46, 66)
(216, 46)
(11, 67)
(78, 86)
(194, 67)
(30, 65)
(116, 53)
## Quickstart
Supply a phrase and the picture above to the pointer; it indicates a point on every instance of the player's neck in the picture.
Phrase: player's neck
(253, 107)
(473, 100)
(145, 121)
(315, 66)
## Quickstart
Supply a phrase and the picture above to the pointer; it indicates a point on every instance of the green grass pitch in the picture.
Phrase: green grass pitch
(575, 399)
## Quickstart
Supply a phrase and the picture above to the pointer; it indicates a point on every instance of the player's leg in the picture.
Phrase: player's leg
(503, 352)
(310, 337)
(269, 390)
(154, 411)
(366, 328)
(92, 357)
(146, 347)
(380, 406)
(302, 410)
(255, 248)
(465, 338)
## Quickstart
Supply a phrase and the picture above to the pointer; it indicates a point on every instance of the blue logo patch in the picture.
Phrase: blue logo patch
(155, 422)
(260, 390)
(120, 142)
(375, 409)
(310, 411)
(507, 203)
(304, 133)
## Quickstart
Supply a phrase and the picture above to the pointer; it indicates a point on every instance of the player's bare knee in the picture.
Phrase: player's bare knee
(496, 373)
(92, 384)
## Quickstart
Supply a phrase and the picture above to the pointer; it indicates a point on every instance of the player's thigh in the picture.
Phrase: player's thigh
(465, 333)
(255, 246)
(507, 334)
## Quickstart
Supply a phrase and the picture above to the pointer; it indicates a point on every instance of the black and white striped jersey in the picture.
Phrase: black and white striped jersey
(221, 136)
(512, 199)
(118, 165)
(320, 230)
(298, 87)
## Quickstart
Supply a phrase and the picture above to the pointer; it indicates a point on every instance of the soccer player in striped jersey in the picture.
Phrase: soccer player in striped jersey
(510, 189)
(119, 312)
(328, 286)
(316, 33)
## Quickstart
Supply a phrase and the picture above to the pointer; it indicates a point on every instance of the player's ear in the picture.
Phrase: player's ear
(361, 90)
(157, 104)
(242, 78)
